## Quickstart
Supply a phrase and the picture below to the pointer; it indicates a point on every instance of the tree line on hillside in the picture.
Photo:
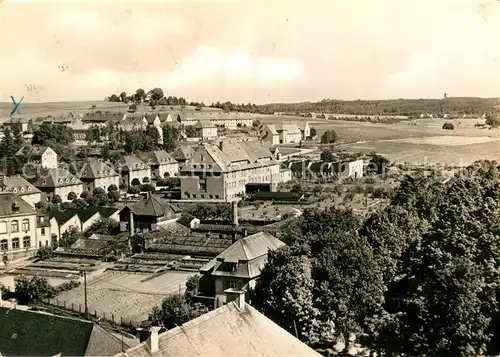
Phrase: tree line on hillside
(419, 278)
(155, 95)
(406, 107)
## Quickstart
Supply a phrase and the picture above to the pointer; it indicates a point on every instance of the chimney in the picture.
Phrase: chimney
(235, 212)
(152, 341)
(241, 300)
(221, 145)
(15, 206)
(245, 232)
(132, 227)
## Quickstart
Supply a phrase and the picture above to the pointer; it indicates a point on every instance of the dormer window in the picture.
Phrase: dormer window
(72, 179)
(67, 180)
(22, 189)
(14, 190)
(99, 173)
(29, 188)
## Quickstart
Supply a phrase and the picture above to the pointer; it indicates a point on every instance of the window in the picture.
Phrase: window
(194, 195)
(216, 196)
(3, 227)
(42, 231)
(42, 218)
(4, 246)
(15, 243)
(232, 284)
(14, 226)
(26, 242)
(39, 244)
(26, 225)
(211, 196)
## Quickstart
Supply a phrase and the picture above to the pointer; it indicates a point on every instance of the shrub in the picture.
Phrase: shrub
(448, 126)
(123, 186)
(44, 253)
(135, 182)
(84, 195)
(68, 285)
(67, 205)
(36, 288)
(56, 199)
(99, 191)
(114, 196)
(41, 205)
(147, 187)
(145, 180)
(72, 196)
(80, 203)
(112, 188)
(134, 190)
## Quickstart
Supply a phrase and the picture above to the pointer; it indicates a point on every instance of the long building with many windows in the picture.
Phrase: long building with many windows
(221, 172)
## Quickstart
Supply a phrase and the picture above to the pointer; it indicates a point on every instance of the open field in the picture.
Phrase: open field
(125, 295)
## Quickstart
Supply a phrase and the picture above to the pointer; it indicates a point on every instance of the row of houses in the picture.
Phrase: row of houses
(276, 134)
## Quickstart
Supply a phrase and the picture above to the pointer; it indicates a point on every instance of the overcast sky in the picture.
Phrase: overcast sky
(251, 51)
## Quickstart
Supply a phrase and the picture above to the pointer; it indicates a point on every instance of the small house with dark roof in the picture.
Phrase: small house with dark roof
(17, 227)
(21, 187)
(133, 171)
(59, 182)
(147, 214)
(162, 164)
(238, 267)
(37, 155)
(96, 173)
(30, 333)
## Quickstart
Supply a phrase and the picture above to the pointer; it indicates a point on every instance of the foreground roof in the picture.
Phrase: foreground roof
(19, 185)
(154, 207)
(29, 333)
(227, 331)
(8, 201)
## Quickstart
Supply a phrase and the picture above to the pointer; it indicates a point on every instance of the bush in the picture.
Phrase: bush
(44, 253)
(112, 188)
(99, 191)
(36, 288)
(92, 200)
(84, 195)
(56, 199)
(72, 196)
(41, 205)
(329, 137)
(123, 186)
(133, 190)
(147, 187)
(135, 182)
(448, 126)
(114, 196)
(145, 180)
(67, 206)
(80, 203)
(68, 285)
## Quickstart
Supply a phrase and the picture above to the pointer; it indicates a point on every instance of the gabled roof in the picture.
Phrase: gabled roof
(19, 185)
(32, 150)
(83, 214)
(62, 217)
(29, 333)
(57, 178)
(131, 163)
(229, 330)
(151, 118)
(93, 168)
(272, 129)
(8, 202)
(96, 118)
(154, 207)
(204, 124)
(158, 157)
(250, 247)
(183, 153)
(289, 128)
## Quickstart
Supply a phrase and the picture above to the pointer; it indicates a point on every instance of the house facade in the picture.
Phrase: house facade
(59, 182)
(97, 174)
(39, 156)
(162, 164)
(18, 237)
(133, 171)
(222, 171)
(322, 169)
(206, 130)
(282, 134)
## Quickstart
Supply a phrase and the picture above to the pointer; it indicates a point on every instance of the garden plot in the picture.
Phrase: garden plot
(127, 295)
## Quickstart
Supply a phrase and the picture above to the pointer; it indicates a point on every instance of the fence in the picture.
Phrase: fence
(79, 309)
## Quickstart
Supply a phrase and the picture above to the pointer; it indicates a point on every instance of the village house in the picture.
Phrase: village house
(21, 187)
(222, 172)
(206, 130)
(96, 173)
(219, 119)
(237, 268)
(320, 169)
(59, 182)
(20, 124)
(282, 134)
(81, 130)
(235, 329)
(147, 215)
(155, 121)
(43, 230)
(31, 333)
(39, 156)
(17, 227)
(133, 171)
(183, 154)
(162, 164)
(305, 130)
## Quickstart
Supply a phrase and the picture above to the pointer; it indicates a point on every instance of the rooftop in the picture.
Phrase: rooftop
(154, 207)
(94, 168)
(57, 178)
(12, 204)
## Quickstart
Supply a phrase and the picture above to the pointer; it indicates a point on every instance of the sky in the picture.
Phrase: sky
(250, 51)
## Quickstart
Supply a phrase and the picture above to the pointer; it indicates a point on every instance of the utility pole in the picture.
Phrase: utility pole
(85, 291)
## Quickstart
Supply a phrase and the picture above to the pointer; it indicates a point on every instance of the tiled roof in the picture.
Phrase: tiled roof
(183, 153)
(158, 157)
(19, 185)
(154, 207)
(83, 214)
(97, 118)
(226, 331)
(93, 168)
(150, 118)
(57, 178)
(62, 216)
(29, 333)
(131, 163)
(32, 151)
(272, 129)
(8, 201)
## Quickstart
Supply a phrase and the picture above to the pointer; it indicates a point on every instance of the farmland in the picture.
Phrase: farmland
(126, 295)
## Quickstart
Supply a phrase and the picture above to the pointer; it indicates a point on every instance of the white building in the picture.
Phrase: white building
(133, 171)
(21, 187)
(283, 133)
(39, 155)
(59, 182)
(162, 164)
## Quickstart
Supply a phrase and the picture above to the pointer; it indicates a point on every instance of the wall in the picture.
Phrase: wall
(172, 170)
(285, 175)
(43, 239)
(65, 190)
(86, 225)
(59, 230)
(105, 182)
(32, 198)
(49, 159)
(139, 174)
(9, 236)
